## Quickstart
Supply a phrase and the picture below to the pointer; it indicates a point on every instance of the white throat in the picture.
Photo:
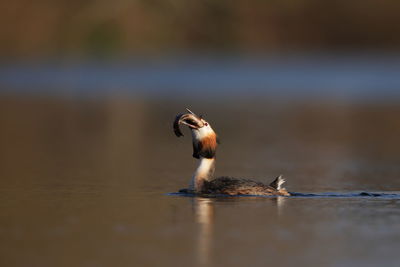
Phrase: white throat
(202, 132)
(204, 172)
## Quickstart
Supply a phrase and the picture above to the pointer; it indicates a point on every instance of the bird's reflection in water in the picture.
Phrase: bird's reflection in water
(280, 203)
(204, 211)
(204, 216)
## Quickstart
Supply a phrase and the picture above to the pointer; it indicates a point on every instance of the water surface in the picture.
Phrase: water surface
(87, 181)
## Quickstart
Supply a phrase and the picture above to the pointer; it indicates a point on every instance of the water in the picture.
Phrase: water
(345, 76)
(88, 182)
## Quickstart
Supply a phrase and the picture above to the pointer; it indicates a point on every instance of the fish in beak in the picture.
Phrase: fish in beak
(189, 119)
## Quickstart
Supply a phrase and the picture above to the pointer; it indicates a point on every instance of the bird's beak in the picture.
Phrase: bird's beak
(189, 119)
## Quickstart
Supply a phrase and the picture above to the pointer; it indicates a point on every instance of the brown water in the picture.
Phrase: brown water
(86, 183)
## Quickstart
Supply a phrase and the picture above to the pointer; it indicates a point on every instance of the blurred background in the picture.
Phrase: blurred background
(88, 92)
(78, 29)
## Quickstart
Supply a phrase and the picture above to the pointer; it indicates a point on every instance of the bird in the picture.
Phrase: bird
(203, 182)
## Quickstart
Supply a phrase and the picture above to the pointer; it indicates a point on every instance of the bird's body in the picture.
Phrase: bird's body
(238, 186)
(204, 149)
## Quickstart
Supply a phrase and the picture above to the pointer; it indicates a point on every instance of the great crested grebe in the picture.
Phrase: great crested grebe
(204, 148)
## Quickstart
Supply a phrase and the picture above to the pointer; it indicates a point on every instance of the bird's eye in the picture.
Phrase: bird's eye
(206, 124)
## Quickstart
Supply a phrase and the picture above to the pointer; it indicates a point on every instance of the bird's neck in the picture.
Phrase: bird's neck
(204, 172)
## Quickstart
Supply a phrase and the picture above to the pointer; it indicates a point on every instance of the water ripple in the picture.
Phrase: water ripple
(380, 195)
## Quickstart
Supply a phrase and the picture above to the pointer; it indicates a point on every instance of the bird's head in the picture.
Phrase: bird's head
(204, 138)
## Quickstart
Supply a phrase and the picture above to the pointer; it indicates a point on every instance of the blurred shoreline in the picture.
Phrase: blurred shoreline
(98, 28)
